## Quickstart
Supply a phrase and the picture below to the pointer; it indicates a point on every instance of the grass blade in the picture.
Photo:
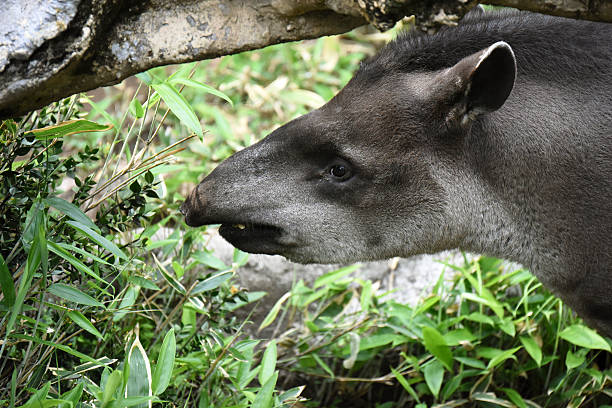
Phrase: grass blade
(6, 283)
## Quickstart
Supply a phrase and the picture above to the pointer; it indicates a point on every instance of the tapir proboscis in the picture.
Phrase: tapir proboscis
(493, 137)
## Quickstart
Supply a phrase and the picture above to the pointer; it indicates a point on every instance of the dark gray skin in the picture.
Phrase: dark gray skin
(494, 137)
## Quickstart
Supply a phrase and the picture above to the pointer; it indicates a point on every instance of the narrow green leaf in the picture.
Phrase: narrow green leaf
(322, 364)
(72, 248)
(515, 397)
(56, 249)
(71, 211)
(400, 378)
(38, 397)
(172, 281)
(366, 296)
(240, 258)
(263, 399)
(99, 239)
(165, 364)
(532, 349)
(73, 295)
(6, 283)
(110, 387)
(334, 275)
(434, 374)
(274, 311)
(139, 380)
(129, 298)
(202, 87)
(268, 363)
(179, 106)
(61, 347)
(212, 282)
(501, 357)
(584, 337)
(72, 397)
(435, 343)
(84, 323)
(69, 127)
(208, 259)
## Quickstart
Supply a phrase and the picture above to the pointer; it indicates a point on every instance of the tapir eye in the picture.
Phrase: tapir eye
(340, 172)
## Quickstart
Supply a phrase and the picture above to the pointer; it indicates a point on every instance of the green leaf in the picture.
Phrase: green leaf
(268, 363)
(263, 399)
(202, 87)
(112, 383)
(136, 108)
(73, 295)
(61, 252)
(584, 337)
(139, 380)
(240, 258)
(435, 343)
(366, 296)
(71, 211)
(274, 311)
(532, 348)
(573, 360)
(515, 397)
(212, 282)
(6, 283)
(61, 347)
(38, 397)
(129, 298)
(179, 106)
(208, 259)
(165, 364)
(400, 378)
(73, 396)
(501, 357)
(434, 374)
(176, 285)
(69, 127)
(99, 239)
(334, 275)
(84, 323)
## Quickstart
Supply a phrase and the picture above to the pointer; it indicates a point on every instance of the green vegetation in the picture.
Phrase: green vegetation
(109, 300)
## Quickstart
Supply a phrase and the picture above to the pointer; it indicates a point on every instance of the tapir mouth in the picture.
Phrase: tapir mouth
(253, 237)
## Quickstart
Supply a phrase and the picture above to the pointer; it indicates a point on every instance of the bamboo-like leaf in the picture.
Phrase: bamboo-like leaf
(83, 322)
(176, 285)
(56, 249)
(69, 127)
(400, 378)
(434, 374)
(532, 349)
(110, 387)
(99, 239)
(165, 364)
(274, 311)
(6, 283)
(212, 282)
(263, 399)
(71, 211)
(73, 294)
(584, 337)
(61, 347)
(202, 87)
(435, 343)
(179, 106)
(334, 275)
(139, 380)
(268, 363)
(208, 259)
(129, 298)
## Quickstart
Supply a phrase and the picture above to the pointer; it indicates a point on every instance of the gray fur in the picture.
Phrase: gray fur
(446, 150)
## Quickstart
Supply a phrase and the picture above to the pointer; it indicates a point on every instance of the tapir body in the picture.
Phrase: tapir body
(494, 137)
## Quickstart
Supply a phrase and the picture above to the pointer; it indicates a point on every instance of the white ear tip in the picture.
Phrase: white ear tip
(493, 47)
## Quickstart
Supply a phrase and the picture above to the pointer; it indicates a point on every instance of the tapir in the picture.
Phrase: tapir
(494, 137)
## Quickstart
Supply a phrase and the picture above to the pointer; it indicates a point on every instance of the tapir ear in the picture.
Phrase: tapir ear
(485, 80)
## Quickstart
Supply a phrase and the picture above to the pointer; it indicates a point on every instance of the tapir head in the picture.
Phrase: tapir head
(365, 176)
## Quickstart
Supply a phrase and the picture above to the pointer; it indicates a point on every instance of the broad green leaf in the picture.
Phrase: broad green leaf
(584, 337)
(73, 396)
(136, 108)
(139, 380)
(71, 211)
(400, 378)
(434, 374)
(268, 363)
(434, 342)
(208, 259)
(263, 399)
(240, 258)
(532, 348)
(73, 294)
(99, 239)
(501, 357)
(110, 387)
(485, 300)
(84, 323)
(38, 397)
(6, 283)
(334, 275)
(165, 364)
(179, 106)
(381, 339)
(515, 397)
(471, 362)
(274, 311)
(56, 249)
(202, 87)
(69, 127)
(573, 360)
(212, 282)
